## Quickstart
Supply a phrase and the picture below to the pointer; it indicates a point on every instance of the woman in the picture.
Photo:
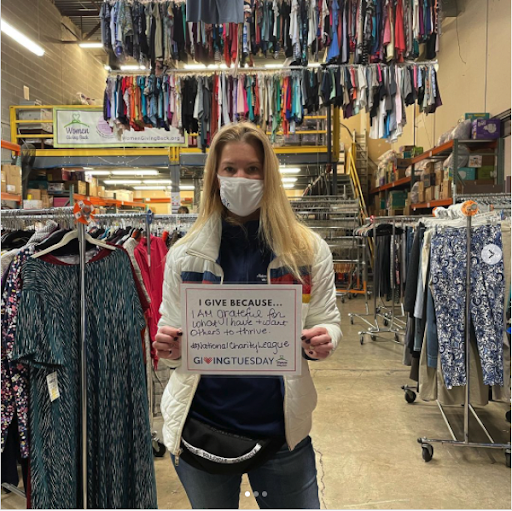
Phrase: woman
(247, 232)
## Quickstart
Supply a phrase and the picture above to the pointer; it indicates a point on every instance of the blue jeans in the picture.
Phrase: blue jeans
(286, 481)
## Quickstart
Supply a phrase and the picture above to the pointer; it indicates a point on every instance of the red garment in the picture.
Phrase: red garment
(399, 30)
(153, 277)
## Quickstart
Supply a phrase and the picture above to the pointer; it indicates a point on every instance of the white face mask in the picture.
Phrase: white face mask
(240, 195)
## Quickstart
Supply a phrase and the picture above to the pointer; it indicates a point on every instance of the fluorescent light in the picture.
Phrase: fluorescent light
(194, 66)
(289, 170)
(9, 30)
(108, 68)
(187, 187)
(90, 45)
(314, 64)
(273, 66)
(149, 187)
(132, 68)
(289, 179)
(122, 182)
(98, 172)
(157, 182)
(289, 186)
(135, 172)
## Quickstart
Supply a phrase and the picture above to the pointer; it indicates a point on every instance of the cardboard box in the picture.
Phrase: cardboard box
(429, 193)
(80, 187)
(396, 199)
(4, 183)
(473, 116)
(421, 192)
(446, 190)
(101, 191)
(60, 202)
(93, 187)
(486, 129)
(33, 194)
(58, 175)
(56, 187)
(439, 177)
(32, 204)
(475, 160)
(12, 175)
(437, 192)
(485, 172)
(467, 173)
(438, 165)
(46, 199)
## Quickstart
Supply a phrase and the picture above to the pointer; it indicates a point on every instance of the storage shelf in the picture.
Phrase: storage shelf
(11, 197)
(446, 148)
(432, 204)
(106, 201)
(12, 147)
(389, 186)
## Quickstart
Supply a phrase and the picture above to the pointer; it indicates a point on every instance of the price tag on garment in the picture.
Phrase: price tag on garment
(53, 386)
(242, 329)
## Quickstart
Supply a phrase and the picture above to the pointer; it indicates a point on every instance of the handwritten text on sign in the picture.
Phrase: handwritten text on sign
(241, 329)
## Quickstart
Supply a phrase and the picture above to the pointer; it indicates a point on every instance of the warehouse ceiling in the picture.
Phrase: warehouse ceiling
(84, 14)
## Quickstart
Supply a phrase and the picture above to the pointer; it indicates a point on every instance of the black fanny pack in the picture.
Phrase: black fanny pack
(219, 452)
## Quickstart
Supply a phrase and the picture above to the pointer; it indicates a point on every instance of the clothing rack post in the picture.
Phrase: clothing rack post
(83, 377)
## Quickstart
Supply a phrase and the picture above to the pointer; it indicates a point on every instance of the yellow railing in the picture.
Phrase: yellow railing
(354, 176)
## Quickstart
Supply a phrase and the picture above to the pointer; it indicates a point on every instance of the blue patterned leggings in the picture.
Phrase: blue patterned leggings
(448, 271)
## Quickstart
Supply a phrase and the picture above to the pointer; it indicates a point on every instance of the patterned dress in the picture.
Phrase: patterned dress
(119, 452)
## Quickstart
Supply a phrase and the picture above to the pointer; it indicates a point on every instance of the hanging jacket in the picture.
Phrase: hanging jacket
(195, 262)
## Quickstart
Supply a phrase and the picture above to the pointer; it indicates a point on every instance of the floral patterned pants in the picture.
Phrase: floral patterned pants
(448, 272)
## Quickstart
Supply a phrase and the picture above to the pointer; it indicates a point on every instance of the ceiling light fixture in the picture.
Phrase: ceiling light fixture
(194, 66)
(122, 182)
(90, 45)
(289, 170)
(135, 172)
(187, 187)
(107, 68)
(273, 66)
(132, 68)
(22, 39)
(149, 187)
(93, 172)
(157, 182)
(288, 186)
(289, 179)
(314, 64)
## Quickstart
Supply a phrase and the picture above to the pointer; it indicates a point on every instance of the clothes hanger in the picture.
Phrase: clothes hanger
(70, 236)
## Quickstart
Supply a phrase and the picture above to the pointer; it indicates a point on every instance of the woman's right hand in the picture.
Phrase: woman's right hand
(168, 343)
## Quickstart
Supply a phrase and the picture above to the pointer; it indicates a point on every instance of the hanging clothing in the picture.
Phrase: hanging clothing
(119, 453)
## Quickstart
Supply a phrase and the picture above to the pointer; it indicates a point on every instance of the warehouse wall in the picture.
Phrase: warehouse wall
(472, 77)
(54, 78)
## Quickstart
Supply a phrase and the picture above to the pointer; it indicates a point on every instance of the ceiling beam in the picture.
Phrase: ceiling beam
(92, 32)
(92, 13)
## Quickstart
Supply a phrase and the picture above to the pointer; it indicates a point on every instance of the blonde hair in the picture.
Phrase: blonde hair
(280, 229)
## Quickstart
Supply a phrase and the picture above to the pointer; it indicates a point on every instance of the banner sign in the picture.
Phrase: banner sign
(241, 329)
(75, 127)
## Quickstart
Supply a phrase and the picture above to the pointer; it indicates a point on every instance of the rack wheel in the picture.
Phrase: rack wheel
(159, 449)
(372, 337)
(352, 322)
(342, 299)
(397, 338)
(410, 396)
(386, 322)
(507, 459)
(349, 296)
(361, 339)
(427, 452)
(354, 295)
(507, 416)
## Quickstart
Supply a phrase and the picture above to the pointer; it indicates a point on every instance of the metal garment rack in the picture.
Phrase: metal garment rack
(426, 443)
(332, 217)
(392, 323)
(67, 215)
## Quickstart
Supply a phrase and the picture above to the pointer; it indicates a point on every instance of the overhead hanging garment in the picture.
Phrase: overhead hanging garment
(215, 11)
(227, 31)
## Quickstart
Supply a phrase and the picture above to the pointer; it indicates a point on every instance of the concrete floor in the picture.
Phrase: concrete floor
(365, 438)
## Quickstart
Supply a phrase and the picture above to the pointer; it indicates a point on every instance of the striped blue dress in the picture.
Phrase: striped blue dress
(119, 452)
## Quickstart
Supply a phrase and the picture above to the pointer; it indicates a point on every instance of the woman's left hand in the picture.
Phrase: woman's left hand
(317, 343)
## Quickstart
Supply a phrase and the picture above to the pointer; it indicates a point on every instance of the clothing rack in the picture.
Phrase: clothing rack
(67, 213)
(426, 443)
(392, 323)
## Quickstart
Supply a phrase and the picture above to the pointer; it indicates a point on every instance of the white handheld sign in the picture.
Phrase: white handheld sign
(241, 329)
